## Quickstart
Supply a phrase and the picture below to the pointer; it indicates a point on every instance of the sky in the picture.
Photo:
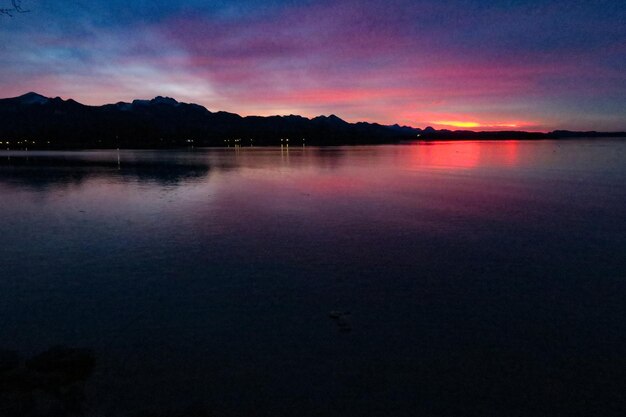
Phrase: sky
(459, 64)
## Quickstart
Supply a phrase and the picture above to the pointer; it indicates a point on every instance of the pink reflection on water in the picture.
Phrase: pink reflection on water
(465, 155)
(511, 153)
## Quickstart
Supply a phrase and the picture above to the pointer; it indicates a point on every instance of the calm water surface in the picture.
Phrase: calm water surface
(482, 278)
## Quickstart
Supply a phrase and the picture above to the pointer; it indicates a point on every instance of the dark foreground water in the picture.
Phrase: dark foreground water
(481, 278)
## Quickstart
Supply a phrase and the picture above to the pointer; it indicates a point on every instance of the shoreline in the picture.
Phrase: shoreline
(278, 145)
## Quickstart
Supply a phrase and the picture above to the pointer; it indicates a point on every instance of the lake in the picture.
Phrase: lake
(437, 279)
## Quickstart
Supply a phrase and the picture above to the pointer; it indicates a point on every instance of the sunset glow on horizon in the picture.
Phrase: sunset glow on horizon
(524, 65)
(459, 124)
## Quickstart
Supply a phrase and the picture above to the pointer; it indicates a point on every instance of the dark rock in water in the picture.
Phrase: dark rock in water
(341, 319)
(66, 365)
(335, 315)
(49, 384)
(9, 360)
(11, 377)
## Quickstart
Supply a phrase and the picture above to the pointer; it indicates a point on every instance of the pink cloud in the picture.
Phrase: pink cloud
(359, 60)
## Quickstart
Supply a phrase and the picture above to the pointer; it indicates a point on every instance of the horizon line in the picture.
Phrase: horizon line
(428, 127)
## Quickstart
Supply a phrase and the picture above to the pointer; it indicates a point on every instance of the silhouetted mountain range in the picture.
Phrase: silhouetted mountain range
(35, 121)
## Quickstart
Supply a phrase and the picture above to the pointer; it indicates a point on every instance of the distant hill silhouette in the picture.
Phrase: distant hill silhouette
(165, 122)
